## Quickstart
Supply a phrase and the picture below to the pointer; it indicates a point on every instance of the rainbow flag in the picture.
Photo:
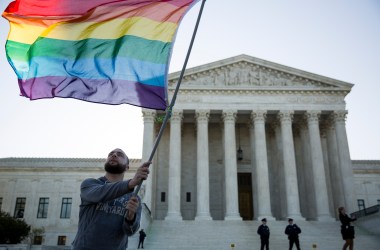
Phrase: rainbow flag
(103, 51)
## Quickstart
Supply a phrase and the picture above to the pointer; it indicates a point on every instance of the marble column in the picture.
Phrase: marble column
(261, 158)
(203, 186)
(345, 160)
(231, 186)
(310, 211)
(279, 197)
(320, 185)
(251, 128)
(326, 164)
(174, 182)
(290, 171)
(335, 174)
(300, 166)
(148, 143)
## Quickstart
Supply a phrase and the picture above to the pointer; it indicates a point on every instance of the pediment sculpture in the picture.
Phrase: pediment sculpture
(245, 74)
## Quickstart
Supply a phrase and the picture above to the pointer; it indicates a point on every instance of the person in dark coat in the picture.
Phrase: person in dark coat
(347, 231)
(292, 230)
(264, 233)
(141, 238)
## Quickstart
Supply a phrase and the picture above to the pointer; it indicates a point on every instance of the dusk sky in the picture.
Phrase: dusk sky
(339, 39)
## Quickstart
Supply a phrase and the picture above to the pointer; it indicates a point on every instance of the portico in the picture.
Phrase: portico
(291, 130)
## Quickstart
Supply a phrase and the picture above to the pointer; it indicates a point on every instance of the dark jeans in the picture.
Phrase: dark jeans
(264, 243)
(292, 241)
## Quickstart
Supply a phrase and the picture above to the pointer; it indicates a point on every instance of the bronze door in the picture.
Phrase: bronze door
(245, 196)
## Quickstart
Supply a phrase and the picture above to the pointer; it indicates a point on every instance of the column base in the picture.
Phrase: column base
(233, 217)
(203, 217)
(173, 217)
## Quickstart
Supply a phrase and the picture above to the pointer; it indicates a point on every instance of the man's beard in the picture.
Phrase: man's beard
(115, 169)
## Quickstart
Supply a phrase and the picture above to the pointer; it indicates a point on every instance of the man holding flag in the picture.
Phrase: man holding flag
(109, 212)
(102, 51)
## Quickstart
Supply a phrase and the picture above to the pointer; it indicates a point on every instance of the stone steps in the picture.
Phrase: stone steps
(219, 235)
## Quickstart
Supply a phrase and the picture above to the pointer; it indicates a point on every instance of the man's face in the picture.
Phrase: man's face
(117, 162)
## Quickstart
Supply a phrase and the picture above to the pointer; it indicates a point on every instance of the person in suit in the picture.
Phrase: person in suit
(264, 233)
(292, 230)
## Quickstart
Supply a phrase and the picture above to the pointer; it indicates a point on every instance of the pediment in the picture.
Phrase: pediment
(249, 72)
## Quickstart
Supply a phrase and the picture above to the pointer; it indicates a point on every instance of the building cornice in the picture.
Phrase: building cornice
(372, 162)
(56, 164)
(366, 166)
(243, 91)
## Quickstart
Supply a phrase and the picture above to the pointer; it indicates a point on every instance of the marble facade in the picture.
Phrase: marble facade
(290, 124)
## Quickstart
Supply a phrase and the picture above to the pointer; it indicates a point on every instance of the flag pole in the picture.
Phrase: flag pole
(171, 105)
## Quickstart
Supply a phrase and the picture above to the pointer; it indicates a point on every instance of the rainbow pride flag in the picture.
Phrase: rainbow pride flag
(103, 51)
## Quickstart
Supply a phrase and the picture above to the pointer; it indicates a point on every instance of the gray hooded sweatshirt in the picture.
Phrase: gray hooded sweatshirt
(102, 222)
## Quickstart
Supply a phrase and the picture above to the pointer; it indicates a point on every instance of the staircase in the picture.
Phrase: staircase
(219, 235)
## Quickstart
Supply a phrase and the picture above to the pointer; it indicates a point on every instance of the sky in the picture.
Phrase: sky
(339, 39)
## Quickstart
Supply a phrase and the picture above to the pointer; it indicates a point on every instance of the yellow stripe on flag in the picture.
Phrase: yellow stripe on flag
(112, 29)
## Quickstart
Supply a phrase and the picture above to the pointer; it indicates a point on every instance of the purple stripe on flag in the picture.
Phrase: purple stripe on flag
(108, 91)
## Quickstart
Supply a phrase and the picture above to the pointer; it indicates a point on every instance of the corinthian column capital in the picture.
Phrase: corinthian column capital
(229, 115)
(285, 116)
(176, 116)
(148, 115)
(339, 116)
(202, 115)
(312, 116)
(258, 116)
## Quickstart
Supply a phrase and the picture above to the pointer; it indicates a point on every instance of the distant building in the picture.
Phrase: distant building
(367, 183)
(247, 139)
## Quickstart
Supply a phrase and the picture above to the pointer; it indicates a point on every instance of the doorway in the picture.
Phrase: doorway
(245, 196)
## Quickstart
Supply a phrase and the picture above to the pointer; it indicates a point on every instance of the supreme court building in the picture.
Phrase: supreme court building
(249, 139)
